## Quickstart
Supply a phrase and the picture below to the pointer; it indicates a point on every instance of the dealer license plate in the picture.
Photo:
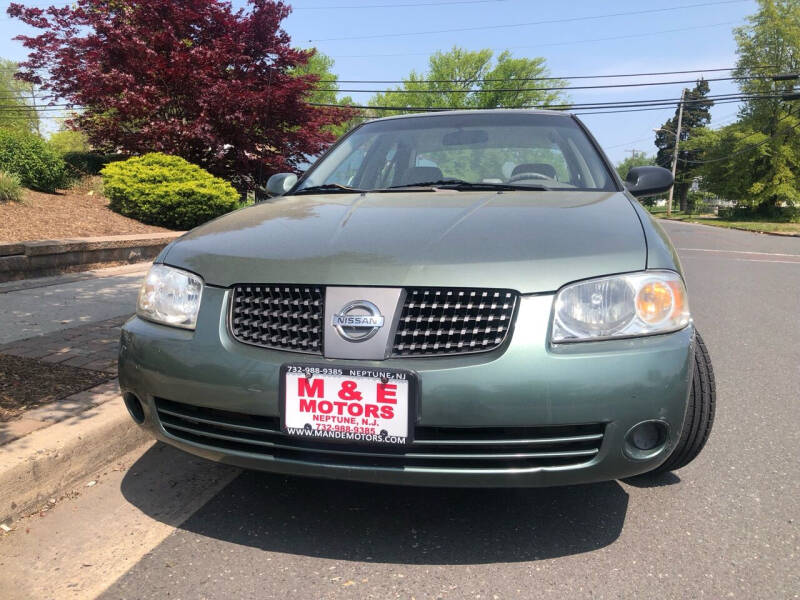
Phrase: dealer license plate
(351, 405)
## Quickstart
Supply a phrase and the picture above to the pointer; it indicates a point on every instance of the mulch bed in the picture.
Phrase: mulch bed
(27, 383)
(79, 212)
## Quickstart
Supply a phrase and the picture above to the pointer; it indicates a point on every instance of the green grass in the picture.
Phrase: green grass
(714, 221)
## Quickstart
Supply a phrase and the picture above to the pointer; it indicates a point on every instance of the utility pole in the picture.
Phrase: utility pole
(675, 154)
(35, 110)
(634, 153)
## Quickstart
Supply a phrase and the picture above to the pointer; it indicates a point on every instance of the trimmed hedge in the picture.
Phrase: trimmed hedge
(37, 164)
(777, 214)
(158, 189)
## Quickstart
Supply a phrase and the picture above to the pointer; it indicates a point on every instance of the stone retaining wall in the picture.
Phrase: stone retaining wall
(41, 258)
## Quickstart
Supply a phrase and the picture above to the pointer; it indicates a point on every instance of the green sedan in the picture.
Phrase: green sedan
(468, 298)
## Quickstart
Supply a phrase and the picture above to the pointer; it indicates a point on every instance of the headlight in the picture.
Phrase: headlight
(170, 296)
(621, 306)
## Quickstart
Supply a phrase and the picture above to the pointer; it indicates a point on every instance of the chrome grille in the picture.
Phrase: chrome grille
(439, 321)
(283, 317)
(472, 449)
(433, 321)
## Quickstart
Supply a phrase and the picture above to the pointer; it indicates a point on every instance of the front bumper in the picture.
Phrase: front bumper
(527, 383)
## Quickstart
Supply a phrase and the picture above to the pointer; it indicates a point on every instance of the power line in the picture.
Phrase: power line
(486, 80)
(538, 89)
(783, 118)
(553, 77)
(662, 106)
(483, 91)
(741, 151)
(29, 109)
(549, 77)
(651, 102)
(666, 102)
(551, 44)
(651, 137)
(531, 23)
(364, 6)
(626, 143)
(722, 158)
(631, 110)
(354, 6)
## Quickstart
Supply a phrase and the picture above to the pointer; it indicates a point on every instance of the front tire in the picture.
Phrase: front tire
(699, 412)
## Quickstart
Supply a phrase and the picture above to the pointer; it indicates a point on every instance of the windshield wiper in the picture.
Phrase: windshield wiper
(329, 188)
(459, 184)
(447, 184)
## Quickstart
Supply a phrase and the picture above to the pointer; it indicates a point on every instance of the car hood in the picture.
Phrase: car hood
(525, 241)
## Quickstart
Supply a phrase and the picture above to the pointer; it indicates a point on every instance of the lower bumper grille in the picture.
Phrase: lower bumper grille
(473, 449)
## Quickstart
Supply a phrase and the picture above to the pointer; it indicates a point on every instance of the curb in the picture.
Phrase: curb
(50, 462)
(773, 233)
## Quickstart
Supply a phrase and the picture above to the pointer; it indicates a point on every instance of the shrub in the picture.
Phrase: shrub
(775, 214)
(10, 187)
(698, 203)
(89, 163)
(158, 189)
(31, 158)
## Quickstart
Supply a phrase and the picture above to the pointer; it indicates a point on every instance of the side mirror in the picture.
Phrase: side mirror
(279, 184)
(648, 181)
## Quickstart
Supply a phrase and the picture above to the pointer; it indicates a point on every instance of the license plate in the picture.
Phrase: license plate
(349, 405)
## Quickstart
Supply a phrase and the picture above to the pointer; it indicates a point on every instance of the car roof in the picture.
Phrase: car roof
(532, 111)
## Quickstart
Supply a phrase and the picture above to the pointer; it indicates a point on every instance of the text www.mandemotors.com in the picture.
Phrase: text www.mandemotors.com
(344, 435)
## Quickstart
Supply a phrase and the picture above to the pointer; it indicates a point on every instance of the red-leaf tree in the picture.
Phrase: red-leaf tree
(194, 78)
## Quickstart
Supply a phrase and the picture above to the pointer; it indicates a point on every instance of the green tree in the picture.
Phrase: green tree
(637, 159)
(767, 134)
(696, 116)
(462, 78)
(750, 166)
(16, 98)
(68, 140)
(768, 43)
(326, 92)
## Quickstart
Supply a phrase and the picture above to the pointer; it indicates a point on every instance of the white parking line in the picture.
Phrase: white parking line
(797, 256)
(785, 262)
(737, 259)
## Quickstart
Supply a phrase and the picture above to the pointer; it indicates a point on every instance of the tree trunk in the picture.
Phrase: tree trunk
(683, 194)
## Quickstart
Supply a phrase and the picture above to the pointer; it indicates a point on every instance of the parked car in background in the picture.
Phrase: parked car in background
(468, 298)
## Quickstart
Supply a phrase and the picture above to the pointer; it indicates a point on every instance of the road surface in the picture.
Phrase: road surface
(165, 525)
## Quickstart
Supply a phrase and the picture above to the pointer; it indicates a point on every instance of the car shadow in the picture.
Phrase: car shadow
(653, 481)
(392, 524)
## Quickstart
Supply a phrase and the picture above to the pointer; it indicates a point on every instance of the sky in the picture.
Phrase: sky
(386, 39)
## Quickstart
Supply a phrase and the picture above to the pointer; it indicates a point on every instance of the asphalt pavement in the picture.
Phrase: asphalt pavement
(168, 525)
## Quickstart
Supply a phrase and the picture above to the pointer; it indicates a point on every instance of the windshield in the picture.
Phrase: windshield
(510, 151)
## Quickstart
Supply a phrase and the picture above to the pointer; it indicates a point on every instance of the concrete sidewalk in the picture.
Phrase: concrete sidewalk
(40, 306)
(73, 321)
